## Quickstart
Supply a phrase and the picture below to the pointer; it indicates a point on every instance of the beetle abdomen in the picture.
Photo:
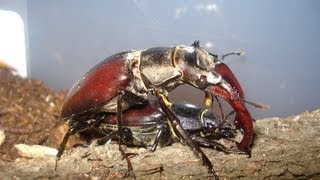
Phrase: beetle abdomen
(97, 87)
(143, 116)
(134, 135)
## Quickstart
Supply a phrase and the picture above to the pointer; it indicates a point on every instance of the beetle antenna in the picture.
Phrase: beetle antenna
(229, 114)
(238, 53)
(220, 107)
(257, 105)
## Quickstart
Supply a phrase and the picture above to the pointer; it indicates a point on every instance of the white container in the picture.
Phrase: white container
(13, 42)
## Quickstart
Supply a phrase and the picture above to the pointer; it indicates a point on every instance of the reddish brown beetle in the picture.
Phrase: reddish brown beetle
(125, 79)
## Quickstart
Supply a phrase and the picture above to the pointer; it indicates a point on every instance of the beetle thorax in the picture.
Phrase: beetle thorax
(157, 69)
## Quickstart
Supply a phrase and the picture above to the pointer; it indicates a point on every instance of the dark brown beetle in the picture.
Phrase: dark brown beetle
(125, 79)
(146, 125)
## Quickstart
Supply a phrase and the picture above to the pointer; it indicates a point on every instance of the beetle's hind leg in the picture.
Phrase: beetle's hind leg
(76, 128)
(130, 171)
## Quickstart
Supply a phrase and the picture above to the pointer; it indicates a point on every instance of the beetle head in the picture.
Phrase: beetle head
(210, 121)
(196, 63)
(202, 69)
(213, 125)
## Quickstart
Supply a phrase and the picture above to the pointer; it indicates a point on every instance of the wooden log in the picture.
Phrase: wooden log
(284, 148)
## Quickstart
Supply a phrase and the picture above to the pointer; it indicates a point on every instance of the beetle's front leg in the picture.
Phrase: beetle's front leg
(181, 133)
(130, 171)
(204, 142)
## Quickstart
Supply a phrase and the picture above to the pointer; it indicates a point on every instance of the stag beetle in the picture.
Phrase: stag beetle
(126, 78)
(146, 125)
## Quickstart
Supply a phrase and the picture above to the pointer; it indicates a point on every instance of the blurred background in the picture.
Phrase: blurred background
(58, 41)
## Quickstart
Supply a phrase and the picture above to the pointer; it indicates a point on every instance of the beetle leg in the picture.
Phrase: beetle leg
(163, 131)
(156, 141)
(106, 138)
(220, 108)
(121, 135)
(216, 145)
(179, 131)
(208, 142)
(62, 146)
(78, 127)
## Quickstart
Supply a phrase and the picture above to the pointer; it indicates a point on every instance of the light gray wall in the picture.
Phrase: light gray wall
(281, 38)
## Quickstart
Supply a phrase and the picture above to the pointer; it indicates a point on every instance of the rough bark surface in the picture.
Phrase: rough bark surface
(284, 148)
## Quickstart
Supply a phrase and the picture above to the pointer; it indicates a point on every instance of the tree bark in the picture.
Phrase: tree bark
(284, 148)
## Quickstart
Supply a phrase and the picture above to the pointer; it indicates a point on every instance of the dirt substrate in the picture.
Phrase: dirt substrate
(28, 111)
(283, 148)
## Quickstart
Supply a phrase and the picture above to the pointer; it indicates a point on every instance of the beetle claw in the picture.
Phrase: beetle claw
(129, 173)
(236, 150)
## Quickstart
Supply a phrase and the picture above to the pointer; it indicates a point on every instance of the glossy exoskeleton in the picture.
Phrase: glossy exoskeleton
(126, 79)
(146, 125)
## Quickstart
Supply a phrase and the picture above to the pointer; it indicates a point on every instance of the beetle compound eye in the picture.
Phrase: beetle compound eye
(202, 62)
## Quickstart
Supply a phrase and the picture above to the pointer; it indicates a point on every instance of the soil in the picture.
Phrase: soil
(28, 111)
